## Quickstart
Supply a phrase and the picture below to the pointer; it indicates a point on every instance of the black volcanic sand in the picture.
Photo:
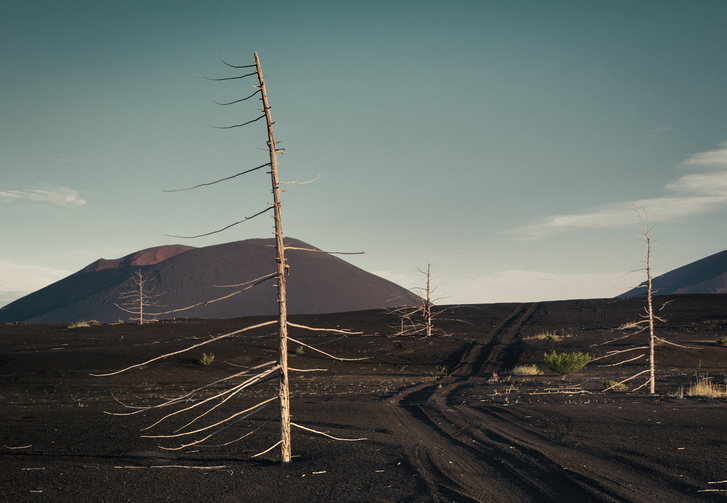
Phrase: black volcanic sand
(439, 426)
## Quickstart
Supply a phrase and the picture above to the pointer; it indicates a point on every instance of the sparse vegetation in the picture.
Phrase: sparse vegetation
(207, 359)
(526, 370)
(610, 383)
(706, 388)
(722, 341)
(300, 350)
(81, 324)
(551, 336)
(629, 325)
(565, 363)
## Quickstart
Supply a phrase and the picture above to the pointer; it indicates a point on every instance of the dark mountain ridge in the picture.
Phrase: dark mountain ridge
(183, 276)
(707, 275)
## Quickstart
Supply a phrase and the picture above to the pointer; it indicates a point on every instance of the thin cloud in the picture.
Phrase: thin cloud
(692, 194)
(62, 196)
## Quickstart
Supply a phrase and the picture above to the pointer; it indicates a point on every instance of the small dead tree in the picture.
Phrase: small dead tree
(418, 319)
(140, 296)
(646, 322)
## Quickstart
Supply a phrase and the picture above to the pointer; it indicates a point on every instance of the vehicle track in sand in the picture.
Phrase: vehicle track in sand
(498, 454)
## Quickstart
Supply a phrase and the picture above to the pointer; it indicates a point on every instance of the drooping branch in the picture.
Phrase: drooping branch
(214, 339)
(221, 179)
(235, 66)
(231, 102)
(230, 393)
(327, 354)
(188, 394)
(625, 361)
(236, 125)
(334, 330)
(612, 353)
(220, 230)
(252, 282)
(326, 434)
(625, 380)
(236, 77)
(301, 183)
(321, 251)
(244, 413)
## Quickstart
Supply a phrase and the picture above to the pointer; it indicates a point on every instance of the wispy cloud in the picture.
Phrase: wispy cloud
(690, 194)
(62, 196)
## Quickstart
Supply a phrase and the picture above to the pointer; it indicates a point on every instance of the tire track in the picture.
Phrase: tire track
(488, 454)
(489, 357)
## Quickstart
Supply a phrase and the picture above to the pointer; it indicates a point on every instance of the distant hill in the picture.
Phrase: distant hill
(708, 275)
(183, 276)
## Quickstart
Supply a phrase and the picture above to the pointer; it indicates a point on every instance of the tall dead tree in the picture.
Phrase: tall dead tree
(284, 388)
(646, 322)
(646, 229)
(270, 369)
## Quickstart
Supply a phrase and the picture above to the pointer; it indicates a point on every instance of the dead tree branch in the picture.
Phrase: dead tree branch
(222, 229)
(221, 179)
(214, 339)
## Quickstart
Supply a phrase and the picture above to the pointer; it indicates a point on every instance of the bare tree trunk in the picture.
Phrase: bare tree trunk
(284, 388)
(428, 306)
(141, 302)
(652, 385)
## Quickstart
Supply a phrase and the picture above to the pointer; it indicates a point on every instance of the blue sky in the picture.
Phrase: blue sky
(505, 143)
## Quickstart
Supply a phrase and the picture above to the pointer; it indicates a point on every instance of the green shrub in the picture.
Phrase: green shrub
(207, 358)
(300, 350)
(722, 341)
(565, 363)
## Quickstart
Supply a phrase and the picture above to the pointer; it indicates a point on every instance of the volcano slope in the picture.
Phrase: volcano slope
(439, 426)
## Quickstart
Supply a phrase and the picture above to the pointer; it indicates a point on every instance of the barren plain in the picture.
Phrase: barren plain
(443, 418)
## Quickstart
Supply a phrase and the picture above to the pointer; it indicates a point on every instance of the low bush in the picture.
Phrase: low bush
(526, 370)
(705, 387)
(722, 341)
(82, 324)
(207, 359)
(565, 363)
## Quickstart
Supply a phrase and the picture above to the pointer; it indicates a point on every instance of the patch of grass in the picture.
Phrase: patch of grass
(207, 359)
(565, 363)
(722, 341)
(300, 350)
(526, 370)
(551, 336)
(82, 324)
(705, 387)
(610, 383)
(629, 325)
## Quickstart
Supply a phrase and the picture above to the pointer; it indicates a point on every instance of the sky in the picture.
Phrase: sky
(504, 143)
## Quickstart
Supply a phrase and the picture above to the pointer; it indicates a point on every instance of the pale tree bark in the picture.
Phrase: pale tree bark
(261, 373)
(284, 389)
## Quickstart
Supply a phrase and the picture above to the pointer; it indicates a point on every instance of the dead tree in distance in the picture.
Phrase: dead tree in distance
(138, 296)
(408, 315)
(647, 321)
